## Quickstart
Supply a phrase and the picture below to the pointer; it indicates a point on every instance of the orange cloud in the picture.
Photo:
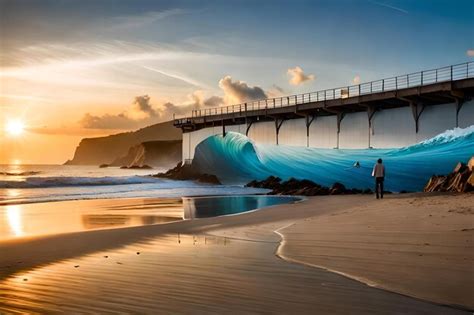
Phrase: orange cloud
(298, 76)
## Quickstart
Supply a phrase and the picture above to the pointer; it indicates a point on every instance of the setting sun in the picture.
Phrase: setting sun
(14, 127)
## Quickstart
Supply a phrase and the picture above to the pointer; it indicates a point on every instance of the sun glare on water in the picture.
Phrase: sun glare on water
(14, 127)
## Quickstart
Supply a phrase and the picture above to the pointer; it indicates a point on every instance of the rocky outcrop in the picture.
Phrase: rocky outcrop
(152, 154)
(461, 179)
(104, 150)
(188, 172)
(302, 187)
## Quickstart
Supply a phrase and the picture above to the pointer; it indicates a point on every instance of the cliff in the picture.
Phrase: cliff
(104, 150)
(153, 153)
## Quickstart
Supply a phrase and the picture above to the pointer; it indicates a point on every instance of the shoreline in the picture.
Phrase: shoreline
(433, 263)
(269, 226)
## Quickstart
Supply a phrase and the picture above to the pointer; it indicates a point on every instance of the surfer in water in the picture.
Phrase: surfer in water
(379, 174)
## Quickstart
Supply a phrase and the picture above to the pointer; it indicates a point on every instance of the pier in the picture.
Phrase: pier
(424, 102)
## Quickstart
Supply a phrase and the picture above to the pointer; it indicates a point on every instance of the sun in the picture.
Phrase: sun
(14, 127)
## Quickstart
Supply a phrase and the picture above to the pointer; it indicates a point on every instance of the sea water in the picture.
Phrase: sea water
(235, 159)
(41, 183)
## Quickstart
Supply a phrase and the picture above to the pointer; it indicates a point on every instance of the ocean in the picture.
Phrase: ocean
(237, 159)
(21, 184)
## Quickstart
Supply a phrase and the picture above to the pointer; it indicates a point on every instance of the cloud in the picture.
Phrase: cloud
(214, 101)
(107, 121)
(470, 52)
(142, 105)
(356, 79)
(389, 6)
(275, 91)
(239, 91)
(141, 113)
(178, 77)
(136, 21)
(298, 76)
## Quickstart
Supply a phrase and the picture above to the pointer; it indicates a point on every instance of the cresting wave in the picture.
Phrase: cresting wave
(235, 159)
(37, 182)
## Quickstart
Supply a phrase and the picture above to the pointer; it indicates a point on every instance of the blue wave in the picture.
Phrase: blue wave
(235, 159)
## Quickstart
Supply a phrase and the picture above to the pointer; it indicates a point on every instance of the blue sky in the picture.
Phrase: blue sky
(96, 59)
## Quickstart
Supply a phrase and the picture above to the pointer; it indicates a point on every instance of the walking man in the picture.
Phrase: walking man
(379, 174)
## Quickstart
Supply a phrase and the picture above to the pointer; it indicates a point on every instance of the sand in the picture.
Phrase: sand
(228, 264)
(420, 246)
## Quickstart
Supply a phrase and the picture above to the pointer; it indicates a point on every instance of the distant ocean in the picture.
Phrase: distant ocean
(41, 183)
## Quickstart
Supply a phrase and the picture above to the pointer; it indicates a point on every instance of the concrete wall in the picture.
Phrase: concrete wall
(323, 132)
(263, 132)
(391, 128)
(466, 114)
(293, 132)
(435, 120)
(354, 131)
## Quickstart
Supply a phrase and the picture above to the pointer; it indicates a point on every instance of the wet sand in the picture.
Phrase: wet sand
(421, 246)
(212, 265)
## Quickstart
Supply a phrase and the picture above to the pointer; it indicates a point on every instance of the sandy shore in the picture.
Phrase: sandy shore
(420, 246)
(228, 263)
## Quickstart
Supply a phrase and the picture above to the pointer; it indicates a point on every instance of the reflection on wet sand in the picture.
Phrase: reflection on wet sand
(14, 219)
(205, 207)
(194, 274)
(75, 216)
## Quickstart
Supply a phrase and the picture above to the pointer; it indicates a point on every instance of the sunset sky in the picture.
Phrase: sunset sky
(74, 69)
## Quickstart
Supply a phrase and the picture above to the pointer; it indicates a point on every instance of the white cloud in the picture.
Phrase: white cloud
(135, 21)
(298, 76)
(239, 91)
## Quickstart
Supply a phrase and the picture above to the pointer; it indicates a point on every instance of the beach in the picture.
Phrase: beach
(337, 254)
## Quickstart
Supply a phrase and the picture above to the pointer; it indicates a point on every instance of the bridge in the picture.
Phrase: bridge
(416, 92)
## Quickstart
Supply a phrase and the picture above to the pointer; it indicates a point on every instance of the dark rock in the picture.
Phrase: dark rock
(460, 180)
(470, 164)
(209, 179)
(302, 187)
(460, 167)
(188, 172)
(337, 189)
(103, 165)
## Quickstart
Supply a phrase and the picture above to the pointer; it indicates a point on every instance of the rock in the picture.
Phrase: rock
(337, 189)
(460, 180)
(302, 187)
(188, 172)
(209, 179)
(470, 183)
(460, 167)
(470, 164)
(103, 165)
(435, 183)
(138, 167)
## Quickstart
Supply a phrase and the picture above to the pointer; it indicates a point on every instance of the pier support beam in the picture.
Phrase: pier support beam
(370, 114)
(248, 123)
(340, 117)
(459, 104)
(309, 120)
(278, 123)
(417, 109)
(459, 98)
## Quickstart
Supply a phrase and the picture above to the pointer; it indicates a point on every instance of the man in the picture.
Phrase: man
(379, 174)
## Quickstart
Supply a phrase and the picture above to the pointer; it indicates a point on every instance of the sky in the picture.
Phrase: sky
(75, 69)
